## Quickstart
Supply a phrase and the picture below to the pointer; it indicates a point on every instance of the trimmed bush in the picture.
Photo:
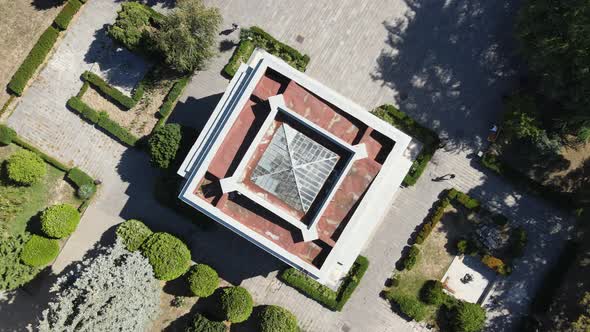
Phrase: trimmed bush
(168, 255)
(469, 317)
(59, 221)
(79, 177)
(62, 20)
(411, 258)
(7, 134)
(200, 323)
(202, 280)
(323, 295)
(133, 233)
(39, 251)
(50, 160)
(277, 319)
(163, 145)
(86, 191)
(256, 37)
(85, 111)
(429, 138)
(35, 58)
(236, 304)
(104, 87)
(432, 292)
(25, 167)
(172, 96)
(409, 306)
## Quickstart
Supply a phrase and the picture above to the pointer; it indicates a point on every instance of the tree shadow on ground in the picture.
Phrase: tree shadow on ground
(194, 113)
(449, 62)
(47, 4)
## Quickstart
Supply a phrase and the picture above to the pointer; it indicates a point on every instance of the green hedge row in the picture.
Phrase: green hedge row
(35, 58)
(102, 120)
(411, 258)
(256, 37)
(439, 210)
(79, 177)
(429, 138)
(172, 96)
(325, 296)
(113, 93)
(62, 20)
(50, 160)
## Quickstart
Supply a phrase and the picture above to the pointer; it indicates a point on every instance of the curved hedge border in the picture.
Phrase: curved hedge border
(428, 137)
(102, 120)
(256, 37)
(36, 57)
(325, 296)
(63, 19)
(113, 93)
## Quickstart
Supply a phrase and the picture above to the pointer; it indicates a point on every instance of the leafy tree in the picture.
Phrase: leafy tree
(555, 43)
(277, 319)
(114, 291)
(39, 251)
(582, 324)
(25, 167)
(168, 255)
(469, 317)
(59, 221)
(432, 292)
(164, 144)
(236, 303)
(133, 233)
(409, 306)
(130, 25)
(13, 272)
(187, 37)
(202, 280)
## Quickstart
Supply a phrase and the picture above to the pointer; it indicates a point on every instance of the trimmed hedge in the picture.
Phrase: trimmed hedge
(39, 251)
(133, 233)
(277, 319)
(256, 37)
(7, 135)
(172, 96)
(405, 123)
(113, 93)
(102, 120)
(79, 177)
(168, 255)
(50, 160)
(236, 304)
(411, 258)
(35, 58)
(409, 306)
(324, 295)
(59, 221)
(202, 280)
(62, 20)
(163, 145)
(25, 168)
(200, 323)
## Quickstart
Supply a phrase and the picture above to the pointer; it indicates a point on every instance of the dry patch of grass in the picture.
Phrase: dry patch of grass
(21, 25)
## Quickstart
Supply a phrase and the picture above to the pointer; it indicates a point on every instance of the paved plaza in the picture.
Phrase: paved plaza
(443, 62)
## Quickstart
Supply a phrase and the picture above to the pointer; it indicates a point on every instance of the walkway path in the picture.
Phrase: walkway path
(442, 63)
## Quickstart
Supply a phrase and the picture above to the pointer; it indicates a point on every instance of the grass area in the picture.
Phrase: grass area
(19, 204)
(434, 259)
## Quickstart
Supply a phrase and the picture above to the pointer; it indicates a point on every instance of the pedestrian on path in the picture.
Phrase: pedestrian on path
(445, 177)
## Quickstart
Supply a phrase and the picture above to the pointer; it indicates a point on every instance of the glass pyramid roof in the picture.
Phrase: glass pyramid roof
(294, 167)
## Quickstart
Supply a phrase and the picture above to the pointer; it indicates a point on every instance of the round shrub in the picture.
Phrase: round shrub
(60, 220)
(200, 323)
(469, 317)
(236, 304)
(202, 280)
(86, 191)
(169, 256)
(432, 292)
(133, 233)
(6, 135)
(26, 168)
(277, 319)
(164, 144)
(39, 251)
